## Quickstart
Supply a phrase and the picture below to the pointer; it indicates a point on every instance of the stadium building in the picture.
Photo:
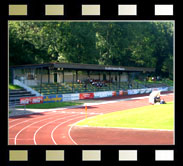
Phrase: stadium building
(72, 77)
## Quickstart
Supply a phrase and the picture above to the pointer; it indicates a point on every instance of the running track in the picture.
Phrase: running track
(57, 127)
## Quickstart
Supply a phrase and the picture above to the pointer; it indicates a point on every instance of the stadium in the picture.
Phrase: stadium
(66, 102)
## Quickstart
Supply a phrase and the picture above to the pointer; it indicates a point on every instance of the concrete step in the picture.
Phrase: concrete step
(18, 92)
(15, 90)
(21, 95)
(15, 95)
(18, 97)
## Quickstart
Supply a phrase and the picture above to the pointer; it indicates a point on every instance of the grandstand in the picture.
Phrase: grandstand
(65, 78)
(65, 88)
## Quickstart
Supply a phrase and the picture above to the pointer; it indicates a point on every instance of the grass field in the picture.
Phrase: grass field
(168, 82)
(14, 87)
(149, 117)
(50, 105)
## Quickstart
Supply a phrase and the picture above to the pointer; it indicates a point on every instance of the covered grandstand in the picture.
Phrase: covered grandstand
(64, 78)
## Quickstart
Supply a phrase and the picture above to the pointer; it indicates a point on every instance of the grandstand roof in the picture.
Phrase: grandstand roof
(90, 67)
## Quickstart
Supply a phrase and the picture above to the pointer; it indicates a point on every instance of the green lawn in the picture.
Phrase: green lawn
(50, 105)
(14, 87)
(149, 117)
(168, 82)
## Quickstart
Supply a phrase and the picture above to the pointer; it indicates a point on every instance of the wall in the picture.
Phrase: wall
(68, 77)
(29, 89)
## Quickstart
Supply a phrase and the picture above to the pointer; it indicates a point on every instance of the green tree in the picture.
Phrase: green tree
(143, 44)
(163, 32)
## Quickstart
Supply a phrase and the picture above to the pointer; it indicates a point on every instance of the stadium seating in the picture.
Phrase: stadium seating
(65, 88)
(52, 88)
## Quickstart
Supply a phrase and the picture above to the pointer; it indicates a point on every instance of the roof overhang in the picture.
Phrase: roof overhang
(89, 67)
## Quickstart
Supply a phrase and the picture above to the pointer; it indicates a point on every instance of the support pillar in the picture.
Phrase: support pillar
(88, 72)
(109, 80)
(73, 82)
(48, 75)
(41, 80)
(12, 72)
(63, 76)
(76, 75)
(119, 79)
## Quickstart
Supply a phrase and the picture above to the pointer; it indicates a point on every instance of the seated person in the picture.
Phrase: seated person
(157, 99)
(154, 97)
(162, 101)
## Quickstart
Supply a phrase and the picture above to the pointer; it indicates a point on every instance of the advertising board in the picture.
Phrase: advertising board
(114, 93)
(86, 96)
(142, 91)
(103, 94)
(148, 90)
(52, 98)
(133, 91)
(70, 97)
(31, 100)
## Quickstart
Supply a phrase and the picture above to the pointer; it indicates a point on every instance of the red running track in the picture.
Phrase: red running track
(57, 127)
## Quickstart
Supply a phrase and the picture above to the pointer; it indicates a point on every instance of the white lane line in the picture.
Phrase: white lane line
(44, 119)
(10, 121)
(74, 124)
(127, 99)
(35, 118)
(82, 113)
(125, 128)
(69, 131)
(91, 104)
(29, 126)
(28, 120)
(59, 126)
(21, 139)
(34, 138)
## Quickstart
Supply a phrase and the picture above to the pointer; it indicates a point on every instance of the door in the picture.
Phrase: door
(55, 77)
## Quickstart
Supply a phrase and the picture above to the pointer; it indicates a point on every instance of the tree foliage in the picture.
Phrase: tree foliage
(142, 44)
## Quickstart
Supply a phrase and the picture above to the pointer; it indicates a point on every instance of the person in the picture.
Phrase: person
(157, 99)
(85, 86)
(162, 101)
(154, 97)
(130, 85)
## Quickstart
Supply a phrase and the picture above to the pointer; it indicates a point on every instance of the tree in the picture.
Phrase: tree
(142, 44)
(163, 32)
(79, 43)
